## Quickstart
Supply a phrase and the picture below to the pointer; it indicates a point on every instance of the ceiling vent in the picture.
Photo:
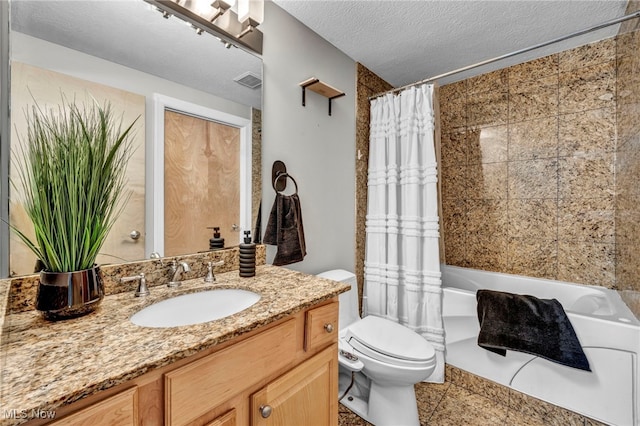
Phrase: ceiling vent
(249, 79)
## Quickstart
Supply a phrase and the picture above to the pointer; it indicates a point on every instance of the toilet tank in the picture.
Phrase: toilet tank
(349, 312)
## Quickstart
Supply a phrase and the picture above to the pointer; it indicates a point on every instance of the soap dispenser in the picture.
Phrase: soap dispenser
(247, 256)
(216, 242)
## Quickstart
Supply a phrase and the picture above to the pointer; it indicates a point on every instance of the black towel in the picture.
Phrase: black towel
(284, 229)
(528, 324)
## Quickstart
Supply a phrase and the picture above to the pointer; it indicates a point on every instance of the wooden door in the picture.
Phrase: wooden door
(201, 182)
(307, 395)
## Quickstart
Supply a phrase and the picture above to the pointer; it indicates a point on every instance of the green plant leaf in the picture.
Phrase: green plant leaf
(71, 171)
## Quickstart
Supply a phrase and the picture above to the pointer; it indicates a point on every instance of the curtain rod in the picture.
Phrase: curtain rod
(517, 52)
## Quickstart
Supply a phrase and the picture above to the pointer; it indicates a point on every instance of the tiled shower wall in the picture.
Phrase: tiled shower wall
(628, 162)
(528, 167)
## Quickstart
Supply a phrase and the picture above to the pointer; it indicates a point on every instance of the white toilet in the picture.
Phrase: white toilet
(380, 362)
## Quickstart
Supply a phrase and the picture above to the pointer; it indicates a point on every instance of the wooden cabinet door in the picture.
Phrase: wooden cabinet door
(306, 395)
(118, 410)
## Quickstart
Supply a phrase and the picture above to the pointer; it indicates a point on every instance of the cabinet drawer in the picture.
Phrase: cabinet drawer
(196, 388)
(119, 409)
(227, 419)
(321, 326)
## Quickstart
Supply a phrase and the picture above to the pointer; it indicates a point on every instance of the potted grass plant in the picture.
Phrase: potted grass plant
(71, 169)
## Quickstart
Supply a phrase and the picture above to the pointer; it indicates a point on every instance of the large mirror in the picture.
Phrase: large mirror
(183, 84)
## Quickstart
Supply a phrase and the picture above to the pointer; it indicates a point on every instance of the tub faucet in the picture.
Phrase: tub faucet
(177, 268)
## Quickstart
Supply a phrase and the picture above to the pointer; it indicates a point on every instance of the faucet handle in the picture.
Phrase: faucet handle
(142, 289)
(210, 278)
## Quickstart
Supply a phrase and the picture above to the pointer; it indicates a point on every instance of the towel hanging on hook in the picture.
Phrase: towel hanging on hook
(284, 227)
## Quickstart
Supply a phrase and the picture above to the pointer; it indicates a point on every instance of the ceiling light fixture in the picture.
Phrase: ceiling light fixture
(250, 14)
(219, 18)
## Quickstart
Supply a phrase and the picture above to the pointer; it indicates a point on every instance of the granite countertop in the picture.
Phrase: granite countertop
(46, 365)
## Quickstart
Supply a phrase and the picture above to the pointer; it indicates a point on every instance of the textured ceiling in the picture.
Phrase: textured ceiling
(402, 41)
(407, 41)
(131, 33)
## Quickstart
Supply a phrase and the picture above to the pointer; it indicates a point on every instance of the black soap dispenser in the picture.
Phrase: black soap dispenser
(216, 242)
(247, 256)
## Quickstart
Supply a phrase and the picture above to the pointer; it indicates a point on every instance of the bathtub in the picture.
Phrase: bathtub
(607, 329)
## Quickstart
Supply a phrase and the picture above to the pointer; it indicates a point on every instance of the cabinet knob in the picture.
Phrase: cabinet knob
(328, 327)
(265, 411)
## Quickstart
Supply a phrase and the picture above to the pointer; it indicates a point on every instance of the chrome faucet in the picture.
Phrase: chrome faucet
(177, 268)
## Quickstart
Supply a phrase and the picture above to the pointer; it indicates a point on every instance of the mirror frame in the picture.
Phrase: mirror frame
(5, 134)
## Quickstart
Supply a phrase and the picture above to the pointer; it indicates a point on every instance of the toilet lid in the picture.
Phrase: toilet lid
(390, 338)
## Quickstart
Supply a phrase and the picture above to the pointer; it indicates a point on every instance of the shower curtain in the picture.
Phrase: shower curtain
(402, 264)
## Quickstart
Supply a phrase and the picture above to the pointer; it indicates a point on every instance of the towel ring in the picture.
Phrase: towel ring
(286, 175)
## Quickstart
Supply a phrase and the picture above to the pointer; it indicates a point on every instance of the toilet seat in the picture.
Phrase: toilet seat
(390, 342)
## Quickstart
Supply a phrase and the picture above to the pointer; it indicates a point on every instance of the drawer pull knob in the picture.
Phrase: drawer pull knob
(265, 411)
(328, 327)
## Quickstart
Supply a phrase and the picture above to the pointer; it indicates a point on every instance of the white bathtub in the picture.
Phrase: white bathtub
(608, 331)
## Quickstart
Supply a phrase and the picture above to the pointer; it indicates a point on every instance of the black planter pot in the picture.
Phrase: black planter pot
(63, 295)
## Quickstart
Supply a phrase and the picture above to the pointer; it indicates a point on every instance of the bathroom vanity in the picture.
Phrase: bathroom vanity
(274, 363)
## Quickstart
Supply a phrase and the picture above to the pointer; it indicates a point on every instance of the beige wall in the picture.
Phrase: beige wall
(528, 167)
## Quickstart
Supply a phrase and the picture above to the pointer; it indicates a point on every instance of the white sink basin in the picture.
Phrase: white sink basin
(195, 308)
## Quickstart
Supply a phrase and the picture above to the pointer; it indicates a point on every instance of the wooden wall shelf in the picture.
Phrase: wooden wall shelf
(321, 88)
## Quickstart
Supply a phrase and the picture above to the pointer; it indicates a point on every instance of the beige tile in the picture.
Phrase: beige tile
(588, 88)
(453, 182)
(590, 176)
(487, 109)
(516, 419)
(486, 218)
(461, 407)
(533, 70)
(628, 122)
(495, 81)
(454, 216)
(533, 139)
(455, 90)
(486, 181)
(481, 386)
(587, 263)
(486, 252)
(453, 148)
(533, 179)
(590, 219)
(587, 132)
(533, 257)
(487, 144)
(428, 396)
(347, 417)
(453, 114)
(533, 218)
(455, 249)
(533, 99)
(528, 408)
(627, 42)
(588, 55)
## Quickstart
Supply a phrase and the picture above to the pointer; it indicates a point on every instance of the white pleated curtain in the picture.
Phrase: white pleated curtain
(402, 264)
